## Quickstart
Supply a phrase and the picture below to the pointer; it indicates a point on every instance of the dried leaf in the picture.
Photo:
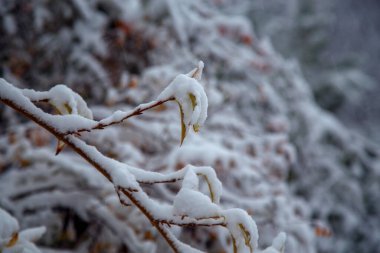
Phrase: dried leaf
(193, 100)
(322, 231)
(247, 236)
(235, 249)
(183, 125)
(212, 195)
(12, 241)
(60, 147)
(68, 108)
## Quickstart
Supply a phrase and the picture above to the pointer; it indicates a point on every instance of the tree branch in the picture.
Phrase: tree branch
(15, 99)
(70, 141)
(120, 116)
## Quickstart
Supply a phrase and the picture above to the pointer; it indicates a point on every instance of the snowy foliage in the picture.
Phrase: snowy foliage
(190, 206)
(280, 157)
(13, 240)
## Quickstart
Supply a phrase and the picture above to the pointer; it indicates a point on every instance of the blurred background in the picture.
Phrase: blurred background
(292, 129)
(336, 43)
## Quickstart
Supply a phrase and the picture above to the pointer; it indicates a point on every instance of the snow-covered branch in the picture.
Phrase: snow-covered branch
(14, 240)
(190, 206)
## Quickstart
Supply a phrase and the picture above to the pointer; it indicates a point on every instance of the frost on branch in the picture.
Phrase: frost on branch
(12, 240)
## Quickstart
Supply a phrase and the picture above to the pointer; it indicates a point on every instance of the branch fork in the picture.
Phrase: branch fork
(76, 118)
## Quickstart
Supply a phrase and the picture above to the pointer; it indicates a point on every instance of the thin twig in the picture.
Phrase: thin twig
(106, 122)
(164, 232)
(135, 194)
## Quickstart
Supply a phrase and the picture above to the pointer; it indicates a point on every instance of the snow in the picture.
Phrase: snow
(12, 240)
(242, 227)
(32, 234)
(208, 152)
(190, 202)
(119, 115)
(115, 117)
(190, 180)
(278, 245)
(190, 205)
(197, 72)
(58, 122)
(8, 227)
(247, 104)
(194, 204)
(279, 242)
(22, 246)
(182, 88)
(208, 173)
(61, 95)
(118, 172)
(64, 99)
(180, 245)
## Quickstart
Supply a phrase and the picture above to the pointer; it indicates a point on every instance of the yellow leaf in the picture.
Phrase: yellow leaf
(60, 146)
(247, 236)
(193, 101)
(12, 241)
(183, 125)
(196, 127)
(212, 196)
(68, 108)
(234, 244)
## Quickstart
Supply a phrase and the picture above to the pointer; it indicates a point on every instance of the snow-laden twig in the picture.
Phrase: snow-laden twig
(190, 206)
(14, 240)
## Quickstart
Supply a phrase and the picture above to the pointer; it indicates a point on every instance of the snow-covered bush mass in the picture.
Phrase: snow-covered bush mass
(159, 126)
(12, 240)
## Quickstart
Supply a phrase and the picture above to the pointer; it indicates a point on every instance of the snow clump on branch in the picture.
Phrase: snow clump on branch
(12, 241)
(191, 98)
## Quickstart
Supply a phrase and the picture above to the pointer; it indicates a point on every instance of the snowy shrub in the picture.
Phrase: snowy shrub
(278, 155)
(14, 240)
(190, 206)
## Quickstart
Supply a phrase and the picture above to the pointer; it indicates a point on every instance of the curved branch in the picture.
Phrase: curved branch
(119, 116)
(126, 179)
(116, 172)
(13, 98)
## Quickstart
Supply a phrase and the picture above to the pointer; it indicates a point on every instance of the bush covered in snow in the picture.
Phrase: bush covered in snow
(289, 164)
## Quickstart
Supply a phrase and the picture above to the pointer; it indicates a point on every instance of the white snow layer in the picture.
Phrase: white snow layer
(181, 89)
(61, 123)
(64, 99)
(243, 229)
(8, 227)
(12, 240)
(278, 245)
(190, 202)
